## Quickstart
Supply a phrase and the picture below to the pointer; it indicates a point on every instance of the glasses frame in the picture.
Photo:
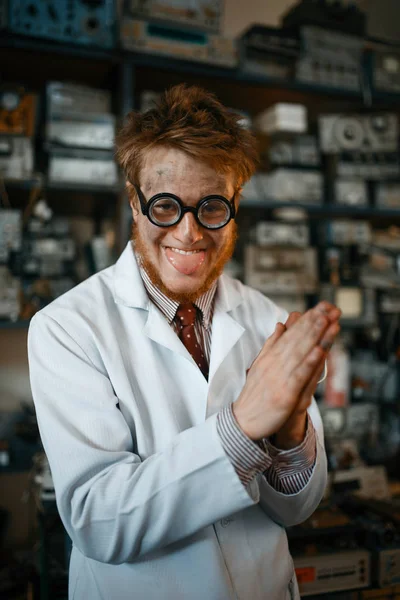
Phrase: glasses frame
(146, 205)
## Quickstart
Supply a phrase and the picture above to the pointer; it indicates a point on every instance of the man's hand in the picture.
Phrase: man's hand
(292, 432)
(286, 366)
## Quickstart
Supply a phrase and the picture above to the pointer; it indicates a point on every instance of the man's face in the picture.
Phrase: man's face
(185, 259)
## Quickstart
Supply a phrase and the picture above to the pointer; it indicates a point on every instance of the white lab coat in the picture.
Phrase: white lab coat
(146, 492)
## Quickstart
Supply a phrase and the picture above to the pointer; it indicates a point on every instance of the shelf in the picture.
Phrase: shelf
(14, 324)
(26, 184)
(326, 209)
(166, 63)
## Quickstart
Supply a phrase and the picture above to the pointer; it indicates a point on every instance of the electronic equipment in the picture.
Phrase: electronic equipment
(351, 192)
(10, 232)
(294, 150)
(197, 14)
(359, 133)
(280, 117)
(390, 303)
(268, 51)
(291, 185)
(71, 98)
(358, 305)
(9, 295)
(79, 116)
(154, 38)
(363, 482)
(331, 47)
(16, 157)
(338, 16)
(17, 111)
(99, 169)
(388, 195)
(281, 271)
(271, 233)
(47, 257)
(71, 21)
(357, 421)
(332, 75)
(370, 165)
(388, 567)
(384, 66)
(89, 130)
(323, 573)
(344, 232)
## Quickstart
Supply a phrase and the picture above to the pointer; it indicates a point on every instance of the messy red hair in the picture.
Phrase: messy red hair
(194, 121)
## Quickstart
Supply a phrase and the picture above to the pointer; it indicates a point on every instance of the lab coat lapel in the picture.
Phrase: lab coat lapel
(160, 331)
(225, 330)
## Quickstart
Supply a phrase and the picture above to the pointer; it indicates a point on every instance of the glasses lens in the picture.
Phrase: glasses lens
(214, 213)
(165, 211)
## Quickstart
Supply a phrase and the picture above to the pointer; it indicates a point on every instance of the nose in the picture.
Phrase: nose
(188, 231)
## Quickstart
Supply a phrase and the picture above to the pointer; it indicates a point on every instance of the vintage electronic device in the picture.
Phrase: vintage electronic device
(9, 295)
(364, 482)
(155, 38)
(351, 192)
(384, 66)
(352, 421)
(344, 232)
(323, 573)
(358, 305)
(390, 303)
(281, 271)
(282, 117)
(198, 14)
(370, 165)
(271, 233)
(71, 98)
(99, 169)
(82, 131)
(268, 51)
(388, 567)
(331, 47)
(291, 185)
(338, 15)
(47, 257)
(16, 157)
(334, 75)
(10, 232)
(359, 133)
(297, 150)
(17, 111)
(388, 195)
(71, 21)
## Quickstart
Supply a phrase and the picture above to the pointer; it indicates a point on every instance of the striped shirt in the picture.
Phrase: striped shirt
(287, 471)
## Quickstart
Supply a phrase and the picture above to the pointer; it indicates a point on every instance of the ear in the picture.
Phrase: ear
(134, 208)
(133, 201)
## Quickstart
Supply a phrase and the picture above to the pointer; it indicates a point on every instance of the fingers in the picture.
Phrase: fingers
(270, 342)
(303, 375)
(292, 318)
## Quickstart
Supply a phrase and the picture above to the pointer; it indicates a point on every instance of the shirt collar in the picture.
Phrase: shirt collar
(168, 307)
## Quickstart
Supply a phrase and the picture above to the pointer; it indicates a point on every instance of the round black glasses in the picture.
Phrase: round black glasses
(165, 209)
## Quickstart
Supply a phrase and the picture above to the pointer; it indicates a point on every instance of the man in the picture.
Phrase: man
(180, 449)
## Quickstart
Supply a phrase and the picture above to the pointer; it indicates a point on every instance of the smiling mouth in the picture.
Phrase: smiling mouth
(184, 252)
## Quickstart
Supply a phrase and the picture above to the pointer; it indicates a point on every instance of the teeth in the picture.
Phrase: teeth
(184, 251)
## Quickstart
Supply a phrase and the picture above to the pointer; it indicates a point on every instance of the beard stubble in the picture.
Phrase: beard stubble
(189, 297)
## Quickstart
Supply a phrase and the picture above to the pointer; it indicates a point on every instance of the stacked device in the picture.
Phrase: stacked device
(80, 131)
(185, 30)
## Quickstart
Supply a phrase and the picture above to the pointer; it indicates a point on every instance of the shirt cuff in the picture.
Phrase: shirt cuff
(291, 469)
(247, 457)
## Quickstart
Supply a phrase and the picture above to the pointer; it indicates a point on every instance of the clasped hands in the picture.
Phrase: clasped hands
(282, 380)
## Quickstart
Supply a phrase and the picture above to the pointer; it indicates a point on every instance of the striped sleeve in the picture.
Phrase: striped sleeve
(247, 458)
(291, 469)
(287, 471)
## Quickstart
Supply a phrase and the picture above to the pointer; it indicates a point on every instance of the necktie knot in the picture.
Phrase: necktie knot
(186, 314)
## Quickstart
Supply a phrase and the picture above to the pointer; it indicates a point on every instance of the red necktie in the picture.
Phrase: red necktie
(186, 315)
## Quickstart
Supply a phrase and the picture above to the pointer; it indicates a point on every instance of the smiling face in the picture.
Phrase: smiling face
(185, 259)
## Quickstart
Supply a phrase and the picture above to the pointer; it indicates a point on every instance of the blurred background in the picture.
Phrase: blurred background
(318, 82)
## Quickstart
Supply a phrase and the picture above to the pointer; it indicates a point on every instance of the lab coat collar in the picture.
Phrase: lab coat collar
(129, 289)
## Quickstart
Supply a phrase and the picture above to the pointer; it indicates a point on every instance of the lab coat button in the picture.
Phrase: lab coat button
(227, 521)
